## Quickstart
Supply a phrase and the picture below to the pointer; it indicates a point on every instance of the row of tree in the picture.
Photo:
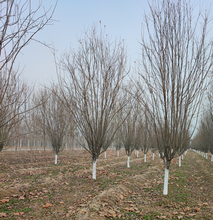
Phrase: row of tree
(203, 139)
(156, 109)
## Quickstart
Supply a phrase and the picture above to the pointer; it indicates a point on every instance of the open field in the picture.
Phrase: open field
(43, 190)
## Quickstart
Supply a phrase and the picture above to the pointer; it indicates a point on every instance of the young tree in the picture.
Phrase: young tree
(128, 131)
(93, 79)
(51, 114)
(176, 58)
(145, 133)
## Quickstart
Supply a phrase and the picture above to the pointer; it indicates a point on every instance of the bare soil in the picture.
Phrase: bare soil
(36, 188)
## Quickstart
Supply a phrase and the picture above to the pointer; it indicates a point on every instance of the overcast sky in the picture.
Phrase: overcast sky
(122, 18)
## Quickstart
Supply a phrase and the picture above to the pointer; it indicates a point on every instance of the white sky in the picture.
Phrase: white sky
(122, 18)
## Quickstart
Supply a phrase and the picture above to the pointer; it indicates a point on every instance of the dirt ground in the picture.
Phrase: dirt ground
(36, 188)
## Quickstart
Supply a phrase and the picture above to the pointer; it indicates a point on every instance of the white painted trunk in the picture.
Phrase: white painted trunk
(185, 152)
(144, 157)
(212, 158)
(128, 161)
(137, 153)
(105, 154)
(117, 153)
(56, 159)
(159, 155)
(94, 170)
(166, 179)
(153, 156)
(206, 156)
(179, 161)
(182, 156)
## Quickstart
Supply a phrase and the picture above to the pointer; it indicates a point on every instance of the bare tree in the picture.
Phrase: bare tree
(128, 130)
(145, 129)
(19, 24)
(203, 139)
(52, 117)
(12, 102)
(118, 144)
(94, 76)
(176, 58)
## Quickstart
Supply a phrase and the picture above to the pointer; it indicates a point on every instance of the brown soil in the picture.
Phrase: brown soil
(42, 190)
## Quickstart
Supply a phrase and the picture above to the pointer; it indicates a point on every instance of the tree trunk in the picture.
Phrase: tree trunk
(105, 154)
(20, 144)
(144, 157)
(94, 170)
(166, 179)
(16, 144)
(137, 153)
(179, 161)
(153, 156)
(31, 151)
(206, 156)
(117, 153)
(212, 158)
(56, 158)
(128, 161)
(182, 156)
(44, 143)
